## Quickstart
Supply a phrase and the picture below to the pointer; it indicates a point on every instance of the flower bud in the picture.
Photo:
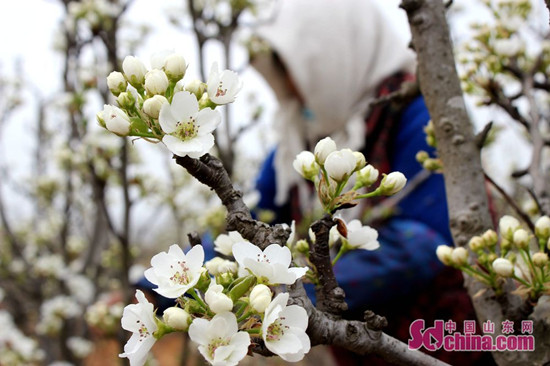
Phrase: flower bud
(126, 100)
(152, 106)
(490, 238)
(542, 228)
(116, 120)
(360, 160)
(422, 156)
(366, 176)
(540, 259)
(340, 164)
(521, 239)
(219, 265)
(491, 257)
(323, 148)
(225, 279)
(217, 300)
(302, 246)
(196, 87)
(116, 83)
(260, 297)
(204, 280)
(100, 120)
(476, 243)
(180, 86)
(175, 66)
(459, 256)
(134, 71)
(444, 253)
(177, 318)
(156, 82)
(305, 165)
(507, 226)
(503, 267)
(392, 183)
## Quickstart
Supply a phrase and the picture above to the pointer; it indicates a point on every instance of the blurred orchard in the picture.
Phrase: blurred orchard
(103, 190)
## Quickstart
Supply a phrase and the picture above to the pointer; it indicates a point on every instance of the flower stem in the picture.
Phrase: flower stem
(245, 316)
(343, 249)
(374, 193)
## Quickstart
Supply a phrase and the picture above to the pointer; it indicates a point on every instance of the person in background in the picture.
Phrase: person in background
(327, 61)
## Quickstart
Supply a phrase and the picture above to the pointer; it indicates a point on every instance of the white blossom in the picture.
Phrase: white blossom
(459, 256)
(542, 227)
(367, 176)
(134, 70)
(392, 183)
(503, 267)
(323, 148)
(116, 82)
(361, 237)
(156, 82)
(116, 120)
(224, 242)
(340, 164)
(521, 238)
(175, 272)
(216, 299)
(220, 342)
(222, 87)
(80, 347)
(260, 298)
(508, 46)
(218, 265)
(444, 253)
(140, 320)
(176, 318)
(305, 165)
(284, 329)
(175, 66)
(152, 106)
(188, 130)
(271, 265)
(507, 226)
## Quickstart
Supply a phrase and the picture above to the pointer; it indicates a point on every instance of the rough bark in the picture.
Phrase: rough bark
(464, 182)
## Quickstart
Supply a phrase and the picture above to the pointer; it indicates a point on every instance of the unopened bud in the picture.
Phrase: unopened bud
(490, 238)
(302, 246)
(422, 156)
(476, 243)
(260, 297)
(366, 176)
(542, 228)
(360, 160)
(444, 253)
(152, 106)
(126, 100)
(540, 259)
(177, 318)
(521, 239)
(196, 87)
(175, 66)
(305, 165)
(116, 83)
(392, 183)
(134, 70)
(459, 256)
(323, 148)
(507, 226)
(503, 267)
(156, 82)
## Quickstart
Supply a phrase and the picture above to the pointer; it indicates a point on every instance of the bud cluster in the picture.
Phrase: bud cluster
(512, 253)
(331, 170)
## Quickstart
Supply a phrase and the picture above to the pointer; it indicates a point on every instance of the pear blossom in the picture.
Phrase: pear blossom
(305, 164)
(218, 265)
(366, 176)
(340, 164)
(323, 148)
(540, 259)
(188, 130)
(542, 227)
(222, 87)
(508, 46)
(392, 183)
(156, 82)
(284, 329)
(196, 87)
(503, 267)
(507, 225)
(459, 256)
(361, 237)
(444, 253)
(521, 238)
(217, 300)
(116, 83)
(175, 66)
(224, 242)
(270, 265)
(260, 298)
(360, 160)
(134, 70)
(140, 320)
(220, 342)
(152, 106)
(175, 272)
(116, 120)
(176, 318)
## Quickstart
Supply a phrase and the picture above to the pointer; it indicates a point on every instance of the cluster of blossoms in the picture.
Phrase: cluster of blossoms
(15, 347)
(156, 104)
(423, 157)
(225, 306)
(98, 14)
(331, 170)
(104, 316)
(512, 255)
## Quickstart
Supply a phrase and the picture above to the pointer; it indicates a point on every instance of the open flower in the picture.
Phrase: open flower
(271, 265)
(219, 341)
(361, 237)
(175, 272)
(188, 130)
(222, 87)
(217, 300)
(140, 320)
(305, 164)
(284, 329)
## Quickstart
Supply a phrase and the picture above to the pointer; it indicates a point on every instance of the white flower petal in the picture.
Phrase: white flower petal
(207, 120)
(166, 119)
(184, 105)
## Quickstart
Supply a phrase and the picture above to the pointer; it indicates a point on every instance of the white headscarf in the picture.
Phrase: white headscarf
(337, 52)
